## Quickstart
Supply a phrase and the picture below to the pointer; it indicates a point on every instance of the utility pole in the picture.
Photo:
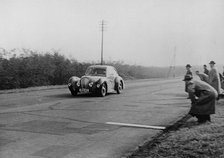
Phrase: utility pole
(173, 64)
(102, 30)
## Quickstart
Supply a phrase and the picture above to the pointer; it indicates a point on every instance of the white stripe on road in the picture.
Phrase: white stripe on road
(135, 125)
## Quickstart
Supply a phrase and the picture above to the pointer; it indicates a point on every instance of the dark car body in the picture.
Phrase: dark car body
(98, 79)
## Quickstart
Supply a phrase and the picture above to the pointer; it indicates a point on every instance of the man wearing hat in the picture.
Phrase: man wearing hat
(188, 68)
(189, 72)
(213, 77)
(203, 99)
(223, 71)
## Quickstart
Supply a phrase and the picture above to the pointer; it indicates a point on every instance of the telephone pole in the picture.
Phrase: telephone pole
(102, 30)
(173, 64)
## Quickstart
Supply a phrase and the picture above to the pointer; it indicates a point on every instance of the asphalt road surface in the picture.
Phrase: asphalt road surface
(50, 123)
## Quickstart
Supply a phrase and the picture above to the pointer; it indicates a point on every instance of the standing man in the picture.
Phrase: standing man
(206, 71)
(223, 71)
(189, 72)
(202, 76)
(213, 78)
(221, 80)
(188, 68)
(203, 99)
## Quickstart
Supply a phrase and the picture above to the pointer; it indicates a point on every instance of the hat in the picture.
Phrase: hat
(187, 78)
(212, 62)
(188, 65)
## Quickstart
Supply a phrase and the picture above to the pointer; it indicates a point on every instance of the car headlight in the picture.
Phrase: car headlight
(90, 84)
(98, 85)
(78, 83)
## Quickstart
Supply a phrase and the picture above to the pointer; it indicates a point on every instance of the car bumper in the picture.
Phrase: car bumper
(93, 89)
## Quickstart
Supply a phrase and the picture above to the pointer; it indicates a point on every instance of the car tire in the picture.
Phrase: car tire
(103, 90)
(119, 87)
(73, 92)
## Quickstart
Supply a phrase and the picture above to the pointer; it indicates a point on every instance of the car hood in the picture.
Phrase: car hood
(93, 78)
(85, 80)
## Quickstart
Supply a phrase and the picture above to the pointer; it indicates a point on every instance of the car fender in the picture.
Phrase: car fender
(101, 81)
(73, 81)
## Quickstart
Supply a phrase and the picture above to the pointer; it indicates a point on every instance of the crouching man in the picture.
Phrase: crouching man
(203, 99)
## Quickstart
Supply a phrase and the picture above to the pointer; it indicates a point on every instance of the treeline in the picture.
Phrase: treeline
(32, 68)
(142, 72)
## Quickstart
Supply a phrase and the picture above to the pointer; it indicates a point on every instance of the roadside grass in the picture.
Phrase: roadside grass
(191, 140)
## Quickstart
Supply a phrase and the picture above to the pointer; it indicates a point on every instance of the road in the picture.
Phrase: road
(50, 123)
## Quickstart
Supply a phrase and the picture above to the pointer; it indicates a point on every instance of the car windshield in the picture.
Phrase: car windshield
(96, 71)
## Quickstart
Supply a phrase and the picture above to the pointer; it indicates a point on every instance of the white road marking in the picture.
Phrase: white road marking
(136, 125)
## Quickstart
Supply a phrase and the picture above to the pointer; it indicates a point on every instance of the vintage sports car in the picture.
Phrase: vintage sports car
(98, 79)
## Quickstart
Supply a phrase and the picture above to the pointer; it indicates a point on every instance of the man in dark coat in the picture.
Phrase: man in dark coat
(203, 99)
(189, 72)
(214, 78)
(222, 81)
(206, 71)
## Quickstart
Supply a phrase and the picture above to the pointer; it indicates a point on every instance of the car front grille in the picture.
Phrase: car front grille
(85, 82)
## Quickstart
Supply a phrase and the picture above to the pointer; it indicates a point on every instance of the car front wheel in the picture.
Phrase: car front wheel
(73, 92)
(103, 90)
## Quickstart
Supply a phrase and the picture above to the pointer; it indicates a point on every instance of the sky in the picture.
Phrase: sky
(142, 32)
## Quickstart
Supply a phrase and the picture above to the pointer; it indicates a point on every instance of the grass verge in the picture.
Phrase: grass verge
(189, 140)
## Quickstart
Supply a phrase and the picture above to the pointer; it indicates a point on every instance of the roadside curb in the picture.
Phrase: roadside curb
(149, 143)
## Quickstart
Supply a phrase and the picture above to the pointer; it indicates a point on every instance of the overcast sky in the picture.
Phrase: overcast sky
(144, 32)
